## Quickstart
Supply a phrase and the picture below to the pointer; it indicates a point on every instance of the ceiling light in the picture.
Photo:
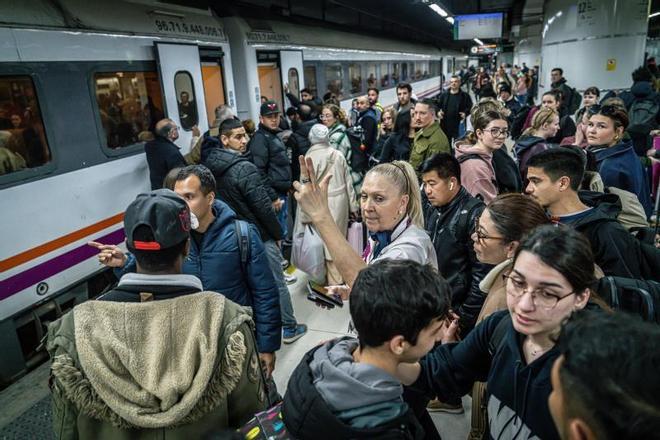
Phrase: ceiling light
(438, 10)
(479, 42)
(655, 14)
(450, 19)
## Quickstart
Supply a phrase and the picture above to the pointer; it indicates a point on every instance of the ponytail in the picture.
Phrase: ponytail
(543, 116)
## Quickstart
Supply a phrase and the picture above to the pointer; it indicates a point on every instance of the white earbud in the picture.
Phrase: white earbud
(451, 186)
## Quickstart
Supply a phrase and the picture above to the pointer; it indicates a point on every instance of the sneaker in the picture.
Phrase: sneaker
(292, 334)
(290, 279)
(436, 405)
(285, 264)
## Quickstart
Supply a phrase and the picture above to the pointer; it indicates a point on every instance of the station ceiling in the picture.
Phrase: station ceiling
(410, 20)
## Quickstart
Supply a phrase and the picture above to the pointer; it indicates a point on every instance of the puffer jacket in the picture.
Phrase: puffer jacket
(218, 262)
(526, 147)
(240, 185)
(451, 227)
(619, 167)
(268, 153)
(142, 390)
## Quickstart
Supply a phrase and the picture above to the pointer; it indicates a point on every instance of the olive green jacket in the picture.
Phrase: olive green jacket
(178, 368)
(428, 141)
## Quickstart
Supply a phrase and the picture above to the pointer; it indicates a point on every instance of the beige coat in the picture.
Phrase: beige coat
(341, 195)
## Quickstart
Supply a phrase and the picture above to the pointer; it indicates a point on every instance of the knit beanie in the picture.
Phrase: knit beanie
(319, 134)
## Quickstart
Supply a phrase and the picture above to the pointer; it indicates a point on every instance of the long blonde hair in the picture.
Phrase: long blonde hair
(544, 116)
(402, 175)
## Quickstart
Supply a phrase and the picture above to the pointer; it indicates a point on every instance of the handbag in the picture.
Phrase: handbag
(307, 253)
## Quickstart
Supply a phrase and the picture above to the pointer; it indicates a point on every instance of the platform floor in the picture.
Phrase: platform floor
(26, 412)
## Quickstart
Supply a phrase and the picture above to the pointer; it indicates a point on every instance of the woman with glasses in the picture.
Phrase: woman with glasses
(617, 163)
(334, 118)
(514, 350)
(545, 125)
(476, 154)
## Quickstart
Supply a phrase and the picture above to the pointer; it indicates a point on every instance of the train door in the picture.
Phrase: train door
(292, 71)
(214, 81)
(270, 83)
(181, 77)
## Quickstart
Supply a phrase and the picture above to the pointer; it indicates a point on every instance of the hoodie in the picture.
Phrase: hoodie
(329, 396)
(526, 147)
(639, 90)
(173, 367)
(477, 174)
(517, 392)
(615, 250)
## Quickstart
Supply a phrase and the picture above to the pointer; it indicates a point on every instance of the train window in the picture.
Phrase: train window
(23, 141)
(354, 72)
(130, 104)
(310, 79)
(294, 82)
(371, 76)
(185, 97)
(384, 75)
(334, 78)
(396, 73)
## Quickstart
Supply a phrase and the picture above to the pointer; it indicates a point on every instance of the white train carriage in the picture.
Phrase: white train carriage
(80, 87)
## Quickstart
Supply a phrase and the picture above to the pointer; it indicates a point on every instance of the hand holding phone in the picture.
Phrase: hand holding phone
(322, 297)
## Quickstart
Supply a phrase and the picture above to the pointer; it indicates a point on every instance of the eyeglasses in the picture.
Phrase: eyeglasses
(497, 132)
(540, 297)
(481, 237)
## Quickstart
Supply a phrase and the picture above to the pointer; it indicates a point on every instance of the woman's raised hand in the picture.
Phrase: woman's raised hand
(312, 196)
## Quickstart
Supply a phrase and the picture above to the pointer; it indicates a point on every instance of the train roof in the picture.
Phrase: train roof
(130, 17)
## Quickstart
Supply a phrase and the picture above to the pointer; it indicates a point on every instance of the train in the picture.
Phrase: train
(81, 87)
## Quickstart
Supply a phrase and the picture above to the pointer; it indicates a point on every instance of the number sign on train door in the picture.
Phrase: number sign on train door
(291, 69)
(181, 77)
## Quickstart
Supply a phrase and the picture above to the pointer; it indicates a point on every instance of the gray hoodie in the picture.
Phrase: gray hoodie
(359, 394)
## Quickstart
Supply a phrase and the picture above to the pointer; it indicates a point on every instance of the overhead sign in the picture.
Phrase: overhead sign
(468, 27)
(486, 49)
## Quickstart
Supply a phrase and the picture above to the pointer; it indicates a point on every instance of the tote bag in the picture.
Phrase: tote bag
(307, 252)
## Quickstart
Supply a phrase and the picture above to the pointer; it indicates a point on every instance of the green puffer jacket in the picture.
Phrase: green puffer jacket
(176, 368)
(428, 141)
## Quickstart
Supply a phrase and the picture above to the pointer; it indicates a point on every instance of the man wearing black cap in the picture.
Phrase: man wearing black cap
(268, 153)
(156, 355)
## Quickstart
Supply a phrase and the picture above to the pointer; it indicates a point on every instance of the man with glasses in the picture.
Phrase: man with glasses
(429, 139)
(163, 154)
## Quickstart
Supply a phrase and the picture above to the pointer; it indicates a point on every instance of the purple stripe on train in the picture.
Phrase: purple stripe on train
(42, 271)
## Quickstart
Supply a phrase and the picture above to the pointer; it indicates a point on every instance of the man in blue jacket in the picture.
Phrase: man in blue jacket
(215, 258)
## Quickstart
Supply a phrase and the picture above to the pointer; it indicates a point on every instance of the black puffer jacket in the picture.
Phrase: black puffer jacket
(450, 228)
(268, 153)
(241, 187)
(308, 417)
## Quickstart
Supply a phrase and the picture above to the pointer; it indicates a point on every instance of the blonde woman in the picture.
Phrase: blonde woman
(534, 139)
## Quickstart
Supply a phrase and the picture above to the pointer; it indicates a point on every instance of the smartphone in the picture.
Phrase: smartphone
(321, 295)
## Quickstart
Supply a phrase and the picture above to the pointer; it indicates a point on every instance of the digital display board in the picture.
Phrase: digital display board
(468, 27)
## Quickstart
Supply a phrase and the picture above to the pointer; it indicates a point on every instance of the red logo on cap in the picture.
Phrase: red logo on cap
(271, 106)
(184, 218)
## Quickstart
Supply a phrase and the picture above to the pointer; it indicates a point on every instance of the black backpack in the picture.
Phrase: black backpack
(642, 113)
(519, 122)
(574, 101)
(630, 295)
(507, 175)
(359, 160)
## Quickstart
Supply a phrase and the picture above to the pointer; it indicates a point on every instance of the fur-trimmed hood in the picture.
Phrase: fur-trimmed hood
(153, 364)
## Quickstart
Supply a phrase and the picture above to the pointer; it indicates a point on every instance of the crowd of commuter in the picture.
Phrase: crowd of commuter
(505, 250)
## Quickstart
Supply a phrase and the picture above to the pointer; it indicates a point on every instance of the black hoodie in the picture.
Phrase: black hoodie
(241, 186)
(615, 251)
(517, 392)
